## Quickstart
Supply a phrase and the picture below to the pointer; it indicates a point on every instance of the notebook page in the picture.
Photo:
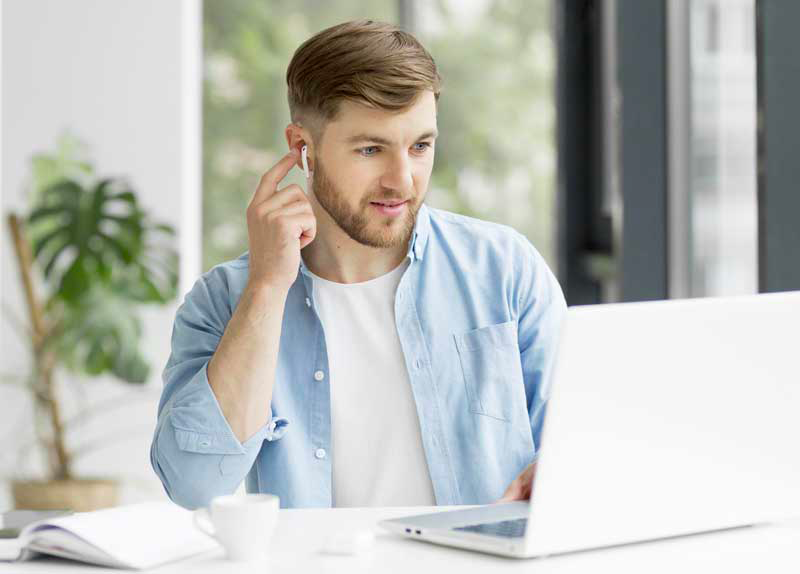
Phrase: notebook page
(58, 542)
(138, 535)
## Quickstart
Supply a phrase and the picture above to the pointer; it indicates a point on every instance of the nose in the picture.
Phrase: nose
(398, 175)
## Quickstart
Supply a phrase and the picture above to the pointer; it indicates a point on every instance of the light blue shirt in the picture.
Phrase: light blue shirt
(478, 314)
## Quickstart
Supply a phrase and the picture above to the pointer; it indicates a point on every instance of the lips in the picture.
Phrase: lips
(389, 203)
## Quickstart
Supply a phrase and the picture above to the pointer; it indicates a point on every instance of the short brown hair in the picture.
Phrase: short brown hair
(368, 62)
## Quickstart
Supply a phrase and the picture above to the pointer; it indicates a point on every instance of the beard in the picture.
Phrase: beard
(372, 230)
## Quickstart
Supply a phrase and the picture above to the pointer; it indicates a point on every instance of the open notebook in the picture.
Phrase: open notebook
(136, 536)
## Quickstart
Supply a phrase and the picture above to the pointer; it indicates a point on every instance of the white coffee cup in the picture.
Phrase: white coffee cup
(242, 524)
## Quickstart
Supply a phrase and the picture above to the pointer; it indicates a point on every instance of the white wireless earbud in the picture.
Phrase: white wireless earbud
(304, 157)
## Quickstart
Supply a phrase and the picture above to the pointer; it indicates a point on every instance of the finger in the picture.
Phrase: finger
(514, 496)
(511, 492)
(294, 208)
(308, 236)
(292, 189)
(270, 180)
(286, 196)
(300, 225)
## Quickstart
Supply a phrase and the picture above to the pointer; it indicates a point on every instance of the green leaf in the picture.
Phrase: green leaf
(126, 196)
(75, 281)
(96, 360)
(64, 191)
(40, 243)
(54, 257)
(132, 369)
(101, 333)
(92, 235)
(46, 211)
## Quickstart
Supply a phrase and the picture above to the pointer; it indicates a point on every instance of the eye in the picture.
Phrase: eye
(425, 146)
(368, 151)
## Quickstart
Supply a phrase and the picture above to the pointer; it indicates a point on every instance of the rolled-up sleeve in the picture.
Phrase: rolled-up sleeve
(194, 451)
(542, 310)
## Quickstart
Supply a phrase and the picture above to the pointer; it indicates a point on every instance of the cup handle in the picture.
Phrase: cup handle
(202, 522)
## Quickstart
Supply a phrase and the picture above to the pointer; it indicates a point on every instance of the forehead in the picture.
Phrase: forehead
(355, 119)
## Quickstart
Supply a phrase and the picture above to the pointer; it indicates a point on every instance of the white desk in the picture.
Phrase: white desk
(302, 533)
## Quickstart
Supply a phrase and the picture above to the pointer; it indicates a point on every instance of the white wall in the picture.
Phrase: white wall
(123, 76)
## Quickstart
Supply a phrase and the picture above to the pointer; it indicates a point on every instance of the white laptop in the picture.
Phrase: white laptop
(666, 418)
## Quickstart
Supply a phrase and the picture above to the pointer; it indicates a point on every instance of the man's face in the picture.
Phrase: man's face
(373, 156)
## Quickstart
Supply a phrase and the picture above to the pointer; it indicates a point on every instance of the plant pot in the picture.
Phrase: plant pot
(78, 495)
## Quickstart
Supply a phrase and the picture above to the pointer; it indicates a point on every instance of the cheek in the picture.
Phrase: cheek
(422, 175)
(351, 179)
(356, 185)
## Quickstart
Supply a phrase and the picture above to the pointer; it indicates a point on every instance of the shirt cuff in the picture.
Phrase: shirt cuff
(201, 427)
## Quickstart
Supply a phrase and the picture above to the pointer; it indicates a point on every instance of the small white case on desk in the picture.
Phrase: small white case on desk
(349, 543)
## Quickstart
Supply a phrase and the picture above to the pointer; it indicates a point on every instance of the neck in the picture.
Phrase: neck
(335, 256)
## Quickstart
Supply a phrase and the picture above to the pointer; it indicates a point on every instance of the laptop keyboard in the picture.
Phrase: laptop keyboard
(504, 528)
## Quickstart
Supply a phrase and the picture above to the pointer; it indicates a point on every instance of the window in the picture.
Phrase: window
(495, 156)
(723, 211)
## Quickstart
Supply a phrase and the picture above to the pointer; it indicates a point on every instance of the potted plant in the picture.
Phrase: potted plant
(88, 257)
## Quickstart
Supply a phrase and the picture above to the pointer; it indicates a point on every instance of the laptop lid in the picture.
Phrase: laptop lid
(668, 418)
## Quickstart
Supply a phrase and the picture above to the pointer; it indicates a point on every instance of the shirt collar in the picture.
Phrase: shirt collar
(419, 239)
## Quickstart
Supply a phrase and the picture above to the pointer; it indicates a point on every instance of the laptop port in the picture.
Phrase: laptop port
(408, 530)
(418, 532)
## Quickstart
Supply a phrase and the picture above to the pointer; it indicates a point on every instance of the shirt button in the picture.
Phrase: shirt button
(308, 302)
(320, 453)
(319, 375)
(418, 364)
(204, 443)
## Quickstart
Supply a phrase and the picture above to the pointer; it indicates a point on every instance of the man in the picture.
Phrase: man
(367, 350)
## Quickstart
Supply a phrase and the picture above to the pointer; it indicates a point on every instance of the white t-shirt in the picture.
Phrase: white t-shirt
(377, 453)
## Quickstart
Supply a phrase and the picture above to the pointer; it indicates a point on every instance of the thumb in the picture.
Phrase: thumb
(512, 493)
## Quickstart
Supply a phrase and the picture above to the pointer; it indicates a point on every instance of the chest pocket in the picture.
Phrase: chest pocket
(492, 370)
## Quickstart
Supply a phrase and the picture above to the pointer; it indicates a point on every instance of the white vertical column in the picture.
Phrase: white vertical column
(2, 214)
(191, 151)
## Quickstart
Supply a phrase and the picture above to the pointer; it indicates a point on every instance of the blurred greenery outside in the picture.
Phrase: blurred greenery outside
(495, 155)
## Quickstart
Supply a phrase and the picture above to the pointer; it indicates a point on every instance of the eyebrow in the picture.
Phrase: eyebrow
(363, 138)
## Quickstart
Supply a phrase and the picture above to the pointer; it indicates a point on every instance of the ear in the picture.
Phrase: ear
(296, 136)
